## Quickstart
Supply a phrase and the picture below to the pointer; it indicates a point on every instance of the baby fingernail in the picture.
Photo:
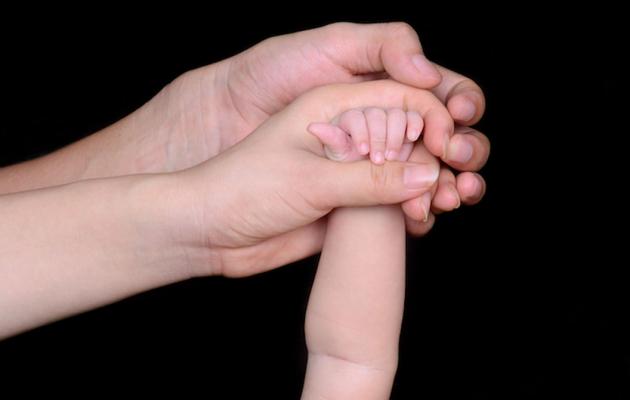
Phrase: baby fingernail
(413, 135)
(364, 148)
(377, 157)
(467, 111)
(425, 205)
(420, 176)
(459, 150)
(391, 154)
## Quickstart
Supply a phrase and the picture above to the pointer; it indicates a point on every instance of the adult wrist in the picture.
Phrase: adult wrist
(76, 247)
(162, 211)
(184, 209)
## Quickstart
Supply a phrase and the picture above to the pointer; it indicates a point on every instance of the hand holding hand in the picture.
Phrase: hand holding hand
(208, 110)
(258, 205)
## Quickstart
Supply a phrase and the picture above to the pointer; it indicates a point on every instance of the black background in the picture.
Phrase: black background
(514, 298)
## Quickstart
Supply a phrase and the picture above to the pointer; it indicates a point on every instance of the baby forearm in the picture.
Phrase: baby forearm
(355, 311)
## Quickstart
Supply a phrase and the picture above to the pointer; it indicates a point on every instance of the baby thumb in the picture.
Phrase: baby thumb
(362, 183)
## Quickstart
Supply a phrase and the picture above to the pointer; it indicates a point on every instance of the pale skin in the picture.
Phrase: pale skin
(205, 111)
(150, 200)
(70, 248)
(356, 304)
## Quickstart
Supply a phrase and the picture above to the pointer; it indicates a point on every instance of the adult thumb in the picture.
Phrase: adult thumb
(363, 183)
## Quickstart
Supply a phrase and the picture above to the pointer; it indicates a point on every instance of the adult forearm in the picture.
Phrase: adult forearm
(155, 138)
(120, 149)
(71, 248)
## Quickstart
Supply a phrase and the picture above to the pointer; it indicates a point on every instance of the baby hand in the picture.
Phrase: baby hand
(384, 134)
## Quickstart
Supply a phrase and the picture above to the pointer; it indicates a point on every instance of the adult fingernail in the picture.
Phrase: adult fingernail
(424, 66)
(459, 150)
(425, 205)
(419, 176)
(466, 110)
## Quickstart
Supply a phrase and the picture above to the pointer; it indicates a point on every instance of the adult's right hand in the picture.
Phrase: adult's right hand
(260, 204)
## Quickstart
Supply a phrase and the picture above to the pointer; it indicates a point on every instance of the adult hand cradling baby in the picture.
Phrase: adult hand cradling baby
(218, 175)
(259, 205)
(207, 110)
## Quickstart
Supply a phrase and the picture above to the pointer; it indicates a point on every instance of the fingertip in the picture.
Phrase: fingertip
(462, 109)
(364, 148)
(455, 197)
(418, 209)
(438, 128)
(468, 150)
(471, 187)
(354, 123)
(446, 198)
(415, 124)
(321, 131)
(377, 157)
(425, 205)
(460, 150)
(466, 107)
(315, 127)
(417, 228)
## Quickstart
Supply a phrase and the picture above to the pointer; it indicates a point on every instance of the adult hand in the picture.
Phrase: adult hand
(245, 90)
(205, 111)
(259, 204)
(256, 206)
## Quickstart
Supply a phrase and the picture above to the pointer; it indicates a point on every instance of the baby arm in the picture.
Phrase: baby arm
(356, 304)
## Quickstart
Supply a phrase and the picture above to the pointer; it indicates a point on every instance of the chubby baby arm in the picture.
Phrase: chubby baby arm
(356, 305)
(355, 309)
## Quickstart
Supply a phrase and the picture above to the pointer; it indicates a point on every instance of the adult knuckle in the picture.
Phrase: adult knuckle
(401, 29)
